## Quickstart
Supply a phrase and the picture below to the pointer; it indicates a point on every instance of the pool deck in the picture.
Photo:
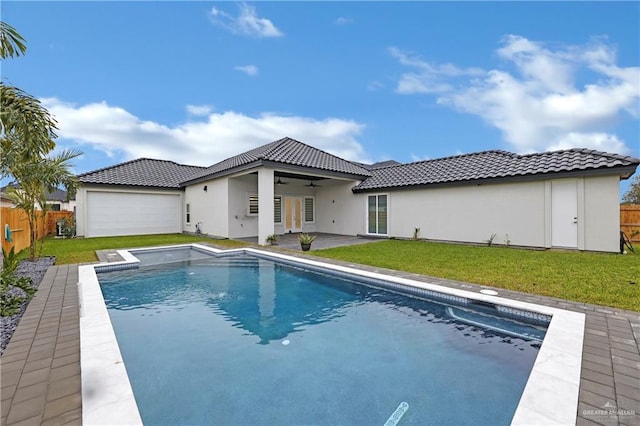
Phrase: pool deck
(41, 384)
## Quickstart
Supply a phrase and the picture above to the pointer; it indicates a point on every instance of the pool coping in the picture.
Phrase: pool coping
(550, 395)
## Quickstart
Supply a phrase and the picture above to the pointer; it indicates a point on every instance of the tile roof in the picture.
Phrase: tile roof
(491, 165)
(142, 172)
(378, 165)
(56, 195)
(285, 151)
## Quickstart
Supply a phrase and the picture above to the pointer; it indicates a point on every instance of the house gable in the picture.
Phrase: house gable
(285, 153)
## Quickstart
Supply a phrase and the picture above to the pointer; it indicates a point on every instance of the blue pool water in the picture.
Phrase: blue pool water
(245, 341)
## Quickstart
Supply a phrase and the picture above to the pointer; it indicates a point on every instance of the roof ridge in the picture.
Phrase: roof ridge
(583, 150)
(282, 141)
(469, 154)
(272, 146)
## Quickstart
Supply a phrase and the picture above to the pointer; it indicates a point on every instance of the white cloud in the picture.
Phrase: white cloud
(428, 77)
(199, 110)
(206, 141)
(537, 105)
(250, 70)
(598, 141)
(343, 21)
(246, 23)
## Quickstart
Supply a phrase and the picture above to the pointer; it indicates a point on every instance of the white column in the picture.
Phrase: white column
(265, 204)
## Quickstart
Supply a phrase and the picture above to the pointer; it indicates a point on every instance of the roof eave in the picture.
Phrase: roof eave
(312, 170)
(120, 185)
(271, 164)
(222, 173)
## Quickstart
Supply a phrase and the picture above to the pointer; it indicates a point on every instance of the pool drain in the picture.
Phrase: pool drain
(397, 415)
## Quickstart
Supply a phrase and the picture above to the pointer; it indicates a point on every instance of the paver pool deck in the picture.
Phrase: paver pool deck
(41, 381)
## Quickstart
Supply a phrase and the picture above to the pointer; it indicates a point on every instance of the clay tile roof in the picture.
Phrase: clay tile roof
(141, 172)
(491, 165)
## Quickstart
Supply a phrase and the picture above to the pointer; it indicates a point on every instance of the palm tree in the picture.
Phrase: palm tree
(11, 42)
(35, 179)
(27, 131)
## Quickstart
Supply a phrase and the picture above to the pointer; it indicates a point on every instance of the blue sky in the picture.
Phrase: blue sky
(197, 82)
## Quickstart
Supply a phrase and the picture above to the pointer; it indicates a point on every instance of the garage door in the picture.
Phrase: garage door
(125, 213)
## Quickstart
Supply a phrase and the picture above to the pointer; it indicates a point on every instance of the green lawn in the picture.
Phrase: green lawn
(597, 278)
(80, 250)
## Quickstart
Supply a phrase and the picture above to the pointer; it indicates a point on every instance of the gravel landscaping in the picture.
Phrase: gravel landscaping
(35, 270)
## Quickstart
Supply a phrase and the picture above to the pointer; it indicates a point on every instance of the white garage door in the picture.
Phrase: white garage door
(125, 213)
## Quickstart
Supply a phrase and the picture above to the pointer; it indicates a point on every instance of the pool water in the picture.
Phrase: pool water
(245, 341)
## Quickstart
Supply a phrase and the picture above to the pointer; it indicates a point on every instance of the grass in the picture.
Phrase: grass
(596, 278)
(81, 250)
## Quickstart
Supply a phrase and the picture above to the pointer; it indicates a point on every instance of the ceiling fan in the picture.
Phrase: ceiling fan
(313, 185)
(280, 182)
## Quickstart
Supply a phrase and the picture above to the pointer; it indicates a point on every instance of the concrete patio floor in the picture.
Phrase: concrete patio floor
(41, 365)
(322, 241)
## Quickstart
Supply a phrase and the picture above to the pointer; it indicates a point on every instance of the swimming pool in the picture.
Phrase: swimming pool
(246, 340)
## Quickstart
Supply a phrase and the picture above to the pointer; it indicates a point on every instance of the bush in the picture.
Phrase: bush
(14, 290)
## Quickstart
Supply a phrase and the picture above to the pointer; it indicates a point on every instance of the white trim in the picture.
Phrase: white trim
(550, 395)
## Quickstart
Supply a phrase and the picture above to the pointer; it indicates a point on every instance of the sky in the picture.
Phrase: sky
(198, 82)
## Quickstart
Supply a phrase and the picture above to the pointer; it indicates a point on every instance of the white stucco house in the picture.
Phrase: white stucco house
(565, 199)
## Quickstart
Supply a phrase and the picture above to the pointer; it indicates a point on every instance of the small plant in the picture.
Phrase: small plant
(306, 238)
(305, 241)
(14, 290)
(507, 241)
(272, 239)
(490, 240)
(9, 260)
(68, 227)
(416, 232)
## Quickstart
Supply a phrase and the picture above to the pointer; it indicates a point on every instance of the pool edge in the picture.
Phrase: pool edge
(550, 395)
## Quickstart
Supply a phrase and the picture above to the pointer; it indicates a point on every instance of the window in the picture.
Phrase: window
(308, 209)
(277, 209)
(54, 207)
(377, 217)
(188, 213)
(253, 205)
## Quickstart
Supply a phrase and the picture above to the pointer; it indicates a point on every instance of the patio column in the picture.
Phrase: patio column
(265, 204)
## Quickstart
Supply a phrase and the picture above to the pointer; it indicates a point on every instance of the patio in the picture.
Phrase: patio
(41, 365)
(290, 241)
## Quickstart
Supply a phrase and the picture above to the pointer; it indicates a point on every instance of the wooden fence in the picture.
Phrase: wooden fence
(19, 225)
(630, 221)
